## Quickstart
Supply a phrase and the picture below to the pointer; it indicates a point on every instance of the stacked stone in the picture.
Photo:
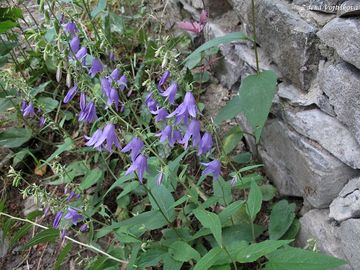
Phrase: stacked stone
(310, 146)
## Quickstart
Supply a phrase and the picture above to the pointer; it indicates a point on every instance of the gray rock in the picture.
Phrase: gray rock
(349, 8)
(30, 205)
(316, 225)
(347, 205)
(328, 132)
(344, 36)
(300, 167)
(350, 238)
(341, 83)
(4, 244)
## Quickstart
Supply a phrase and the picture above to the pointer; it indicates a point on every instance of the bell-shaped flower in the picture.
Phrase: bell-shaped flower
(29, 110)
(122, 82)
(70, 94)
(88, 114)
(186, 108)
(75, 45)
(105, 86)
(81, 55)
(42, 121)
(113, 97)
(71, 28)
(135, 146)
(94, 138)
(170, 135)
(57, 219)
(213, 168)
(170, 93)
(109, 136)
(163, 79)
(73, 215)
(206, 144)
(82, 101)
(161, 114)
(193, 131)
(139, 165)
(115, 75)
(96, 67)
(150, 102)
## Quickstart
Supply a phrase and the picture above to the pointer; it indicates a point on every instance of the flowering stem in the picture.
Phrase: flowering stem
(254, 35)
(95, 249)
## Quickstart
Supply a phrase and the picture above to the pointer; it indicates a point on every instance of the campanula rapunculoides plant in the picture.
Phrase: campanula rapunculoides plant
(113, 144)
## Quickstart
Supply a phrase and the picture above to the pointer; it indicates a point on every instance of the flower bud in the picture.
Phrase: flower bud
(68, 80)
(58, 73)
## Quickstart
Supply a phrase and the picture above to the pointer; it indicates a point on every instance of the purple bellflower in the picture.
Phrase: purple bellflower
(135, 146)
(170, 93)
(140, 166)
(169, 134)
(88, 114)
(29, 110)
(71, 28)
(73, 215)
(84, 227)
(62, 234)
(186, 108)
(163, 79)
(150, 102)
(82, 101)
(193, 131)
(81, 55)
(213, 167)
(115, 74)
(23, 105)
(107, 135)
(122, 82)
(161, 114)
(96, 67)
(57, 219)
(206, 144)
(42, 121)
(75, 44)
(113, 97)
(70, 94)
(105, 86)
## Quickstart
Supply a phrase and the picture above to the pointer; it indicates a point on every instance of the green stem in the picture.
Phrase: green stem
(254, 35)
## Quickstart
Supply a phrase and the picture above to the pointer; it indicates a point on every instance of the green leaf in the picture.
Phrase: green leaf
(92, 178)
(293, 230)
(255, 251)
(281, 218)
(170, 263)
(15, 137)
(50, 34)
(229, 211)
(48, 104)
(5, 103)
(6, 25)
(62, 255)
(128, 188)
(6, 47)
(20, 233)
(242, 158)
(232, 139)
(211, 221)
(183, 252)
(39, 89)
(240, 232)
(100, 7)
(116, 23)
(48, 235)
(19, 156)
(235, 36)
(300, 259)
(209, 259)
(268, 192)
(61, 148)
(10, 13)
(255, 99)
(222, 191)
(164, 201)
(151, 257)
(254, 201)
(119, 182)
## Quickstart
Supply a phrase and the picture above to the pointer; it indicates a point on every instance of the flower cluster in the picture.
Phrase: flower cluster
(28, 111)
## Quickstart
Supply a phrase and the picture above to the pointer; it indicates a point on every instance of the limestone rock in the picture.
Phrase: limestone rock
(4, 244)
(341, 83)
(300, 167)
(347, 205)
(316, 225)
(328, 132)
(350, 238)
(344, 36)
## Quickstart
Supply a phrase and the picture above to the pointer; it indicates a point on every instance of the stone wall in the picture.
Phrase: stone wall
(311, 144)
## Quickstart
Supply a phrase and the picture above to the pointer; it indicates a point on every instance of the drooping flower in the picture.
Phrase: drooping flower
(115, 74)
(163, 79)
(57, 219)
(135, 146)
(62, 234)
(88, 114)
(105, 86)
(94, 138)
(75, 44)
(169, 134)
(71, 28)
(70, 94)
(107, 135)
(82, 101)
(206, 144)
(150, 102)
(96, 67)
(73, 215)
(29, 110)
(193, 131)
(161, 114)
(122, 82)
(81, 55)
(46, 210)
(72, 195)
(113, 97)
(42, 121)
(140, 166)
(186, 108)
(213, 167)
(170, 93)
(23, 105)
(84, 227)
